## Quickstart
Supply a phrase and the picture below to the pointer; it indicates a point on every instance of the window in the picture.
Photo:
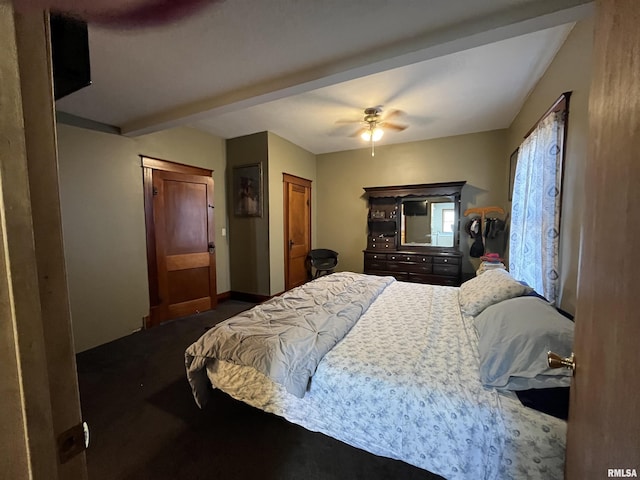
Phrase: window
(535, 211)
(448, 217)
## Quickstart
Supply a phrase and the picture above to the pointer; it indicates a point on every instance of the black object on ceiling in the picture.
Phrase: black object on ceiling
(70, 55)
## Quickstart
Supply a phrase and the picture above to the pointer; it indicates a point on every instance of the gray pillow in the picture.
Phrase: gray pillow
(514, 338)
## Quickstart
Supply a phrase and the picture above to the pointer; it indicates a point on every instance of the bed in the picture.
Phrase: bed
(403, 382)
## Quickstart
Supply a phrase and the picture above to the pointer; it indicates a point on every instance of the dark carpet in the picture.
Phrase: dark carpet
(145, 424)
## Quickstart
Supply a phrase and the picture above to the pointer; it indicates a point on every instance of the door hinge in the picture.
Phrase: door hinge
(155, 191)
(73, 441)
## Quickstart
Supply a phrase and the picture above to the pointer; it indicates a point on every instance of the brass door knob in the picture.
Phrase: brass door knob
(556, 361)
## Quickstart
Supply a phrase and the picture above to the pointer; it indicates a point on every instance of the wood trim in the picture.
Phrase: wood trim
(224, 296)
(249, 297)
(213, 277)
(167, 166)
(188, 260)
(153, 319)
(561, 104)
(296, 180)
(160, 313)
(422, 190)
(149, 223)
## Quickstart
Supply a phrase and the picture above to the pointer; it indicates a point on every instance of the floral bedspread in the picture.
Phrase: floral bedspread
(404, 384)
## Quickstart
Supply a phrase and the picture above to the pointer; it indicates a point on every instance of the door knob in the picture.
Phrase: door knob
(556, 361)
(212, 247)
(291, 244)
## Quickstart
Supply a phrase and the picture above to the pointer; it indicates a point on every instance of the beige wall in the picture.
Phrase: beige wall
(569, 71)
(481, 159)
(285, 157)
(103, 217)
(257, 244)
(103, 223)
(342, 207)
(249, 236)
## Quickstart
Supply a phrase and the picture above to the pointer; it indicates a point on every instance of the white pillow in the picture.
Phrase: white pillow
(487, 289)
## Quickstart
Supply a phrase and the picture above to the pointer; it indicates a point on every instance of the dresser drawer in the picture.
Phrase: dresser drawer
(434, 279)
(381, 243)
(409, 257)
(396, 267)
(444, 269)
(419, 268)
(451, 281)
(375, 256)
(381, 246)
(447, 260)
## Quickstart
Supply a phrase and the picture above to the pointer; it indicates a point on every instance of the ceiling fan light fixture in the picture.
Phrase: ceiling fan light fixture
(373, 134)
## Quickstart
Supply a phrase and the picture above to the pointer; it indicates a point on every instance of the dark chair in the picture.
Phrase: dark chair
(323, 260)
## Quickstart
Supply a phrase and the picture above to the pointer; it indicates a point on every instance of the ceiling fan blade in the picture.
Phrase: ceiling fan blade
(342, 130)
(393, 114)
(346, 120)
(393, 126)
(359, 132)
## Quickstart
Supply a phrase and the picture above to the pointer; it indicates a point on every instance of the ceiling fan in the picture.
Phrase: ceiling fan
(374, 124)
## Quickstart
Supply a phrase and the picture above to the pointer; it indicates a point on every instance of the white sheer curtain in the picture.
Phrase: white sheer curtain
(535, 208)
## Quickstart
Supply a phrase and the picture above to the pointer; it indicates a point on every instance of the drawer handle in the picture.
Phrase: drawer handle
(445, 260)
(375, 256)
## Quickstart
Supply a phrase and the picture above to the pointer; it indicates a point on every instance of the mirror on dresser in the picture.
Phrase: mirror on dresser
(427, 222)
(414, 232)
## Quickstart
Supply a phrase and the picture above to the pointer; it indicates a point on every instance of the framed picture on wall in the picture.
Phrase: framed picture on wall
(247, 190)
(513, 160)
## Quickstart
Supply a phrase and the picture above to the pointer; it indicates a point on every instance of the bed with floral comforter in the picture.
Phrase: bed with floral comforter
(404, 384)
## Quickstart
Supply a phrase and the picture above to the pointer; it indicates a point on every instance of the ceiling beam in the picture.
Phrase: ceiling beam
(509, 23)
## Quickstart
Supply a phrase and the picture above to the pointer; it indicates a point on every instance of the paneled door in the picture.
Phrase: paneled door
(182, 244)
(297, 229)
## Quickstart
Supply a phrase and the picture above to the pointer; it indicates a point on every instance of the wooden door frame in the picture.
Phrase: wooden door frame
(303, 182)
(149, 164)
(40, 399)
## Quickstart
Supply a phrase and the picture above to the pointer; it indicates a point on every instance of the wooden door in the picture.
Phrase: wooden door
(182, 227)
(604, 424)
(297, 229)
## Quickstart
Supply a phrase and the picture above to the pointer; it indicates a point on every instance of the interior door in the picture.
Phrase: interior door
(604, 425)
(184, 245)
(297, 214)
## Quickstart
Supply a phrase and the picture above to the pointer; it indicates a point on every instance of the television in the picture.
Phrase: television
(69, 55)
(414, 208)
